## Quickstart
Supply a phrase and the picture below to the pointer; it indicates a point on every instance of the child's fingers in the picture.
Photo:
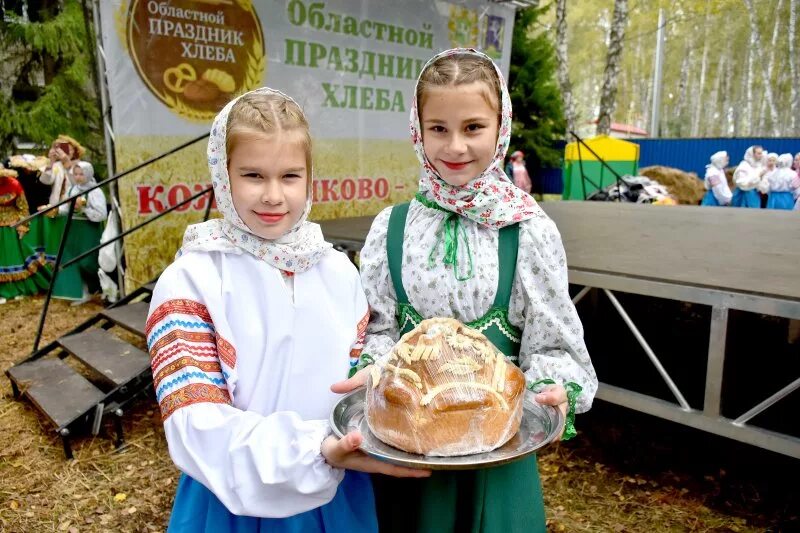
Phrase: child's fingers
(359, 379)
(553, 395)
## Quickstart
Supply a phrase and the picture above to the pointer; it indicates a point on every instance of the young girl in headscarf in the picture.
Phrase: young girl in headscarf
(79, 281)
(718, 193)
(747, 177)
(781, 184)
(474, 247)
(20, 265)
(247, 329)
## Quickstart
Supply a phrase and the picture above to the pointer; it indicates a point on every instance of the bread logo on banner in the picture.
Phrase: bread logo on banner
(195, 56)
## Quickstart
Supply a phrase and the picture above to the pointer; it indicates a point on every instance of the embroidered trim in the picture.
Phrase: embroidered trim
(187, 365)
(185, 362)
(182, 323)
(178, 347)
(191, 336)
(361, 335)
(192, 394)
(226, 351)
(498, 317)
(183, 307)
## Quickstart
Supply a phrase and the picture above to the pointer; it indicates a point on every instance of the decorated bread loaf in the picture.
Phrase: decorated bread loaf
(444, 390)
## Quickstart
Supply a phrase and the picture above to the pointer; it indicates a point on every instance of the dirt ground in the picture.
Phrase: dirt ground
(623, 473)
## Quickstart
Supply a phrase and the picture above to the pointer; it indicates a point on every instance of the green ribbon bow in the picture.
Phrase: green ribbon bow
(573, 391)
(449, 234)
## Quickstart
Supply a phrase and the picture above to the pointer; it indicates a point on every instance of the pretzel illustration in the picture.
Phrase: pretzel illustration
(176, 78)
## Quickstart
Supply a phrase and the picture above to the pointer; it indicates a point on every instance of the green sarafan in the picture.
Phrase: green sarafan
(52, 45)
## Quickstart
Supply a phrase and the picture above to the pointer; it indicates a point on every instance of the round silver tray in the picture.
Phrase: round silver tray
(541, 425)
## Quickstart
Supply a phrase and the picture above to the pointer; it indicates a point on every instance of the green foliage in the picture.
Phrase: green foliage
(538, 116)
(58, 47)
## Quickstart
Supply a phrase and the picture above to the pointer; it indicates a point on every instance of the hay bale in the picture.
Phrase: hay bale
(686, 187)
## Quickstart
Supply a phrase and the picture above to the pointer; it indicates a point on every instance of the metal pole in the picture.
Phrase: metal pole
(658, 68)
(649, 351)
(772, 400)
(56, 268)
(108, 133)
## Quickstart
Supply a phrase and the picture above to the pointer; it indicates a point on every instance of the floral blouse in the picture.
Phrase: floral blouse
(552, 340)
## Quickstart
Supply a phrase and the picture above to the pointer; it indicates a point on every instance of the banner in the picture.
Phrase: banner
(351, 65)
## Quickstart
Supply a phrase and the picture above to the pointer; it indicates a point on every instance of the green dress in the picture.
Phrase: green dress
(503, 499)
(83, 235)
(22, 266)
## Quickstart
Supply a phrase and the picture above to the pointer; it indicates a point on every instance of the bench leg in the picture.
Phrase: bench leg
(120, 437)
(65, 441)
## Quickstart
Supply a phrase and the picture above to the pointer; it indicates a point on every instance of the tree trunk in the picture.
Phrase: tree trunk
(755, 42)
(762, 112)
(683, 83)
(608, 95)
(700, 93)
(747, 91)
(714, 116)
(793, 70)
(562, 66)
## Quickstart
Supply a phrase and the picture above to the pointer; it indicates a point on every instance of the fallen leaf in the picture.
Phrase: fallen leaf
(14, 504)
(130, 510)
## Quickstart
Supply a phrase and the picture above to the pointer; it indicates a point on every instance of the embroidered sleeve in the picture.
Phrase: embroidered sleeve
(185, 355)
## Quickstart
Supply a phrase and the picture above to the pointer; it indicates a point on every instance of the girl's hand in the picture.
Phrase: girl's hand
(554, 395)
(344, 453)
(359, 379)
(80, 202)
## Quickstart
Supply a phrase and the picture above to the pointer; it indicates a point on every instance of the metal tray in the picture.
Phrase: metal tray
(541, 425)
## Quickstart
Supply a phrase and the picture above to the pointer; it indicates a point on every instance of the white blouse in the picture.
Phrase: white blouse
(242, 369)
(552, 343)
(716, 182)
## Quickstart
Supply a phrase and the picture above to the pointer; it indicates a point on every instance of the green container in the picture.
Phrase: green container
(597, 176)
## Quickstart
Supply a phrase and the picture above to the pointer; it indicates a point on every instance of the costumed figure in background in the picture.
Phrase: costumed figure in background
(79, 281)
(22, 269)
(782, 184)
(747, 177)
(718, 193)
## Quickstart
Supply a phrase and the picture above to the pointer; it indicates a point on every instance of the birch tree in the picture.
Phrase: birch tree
(755, 42)
(770, 69)
(793, 70)
(698, 95)
(562, 65)
(608, 94)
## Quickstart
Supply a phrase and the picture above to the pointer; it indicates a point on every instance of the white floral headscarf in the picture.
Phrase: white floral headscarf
(490, 199)
(296, 251)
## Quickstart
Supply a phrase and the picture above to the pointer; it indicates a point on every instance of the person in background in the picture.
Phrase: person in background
(796, 164)
(21, 268)
(771, 161)
(63, 152)
(747, 177)
(519, 173)
(718, 193)
(782, 184)
(79, 281)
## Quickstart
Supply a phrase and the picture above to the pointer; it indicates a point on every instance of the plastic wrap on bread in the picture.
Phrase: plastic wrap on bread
(444, 390)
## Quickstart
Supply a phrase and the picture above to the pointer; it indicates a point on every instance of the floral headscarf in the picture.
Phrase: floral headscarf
(296, 251)
(490, 199)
